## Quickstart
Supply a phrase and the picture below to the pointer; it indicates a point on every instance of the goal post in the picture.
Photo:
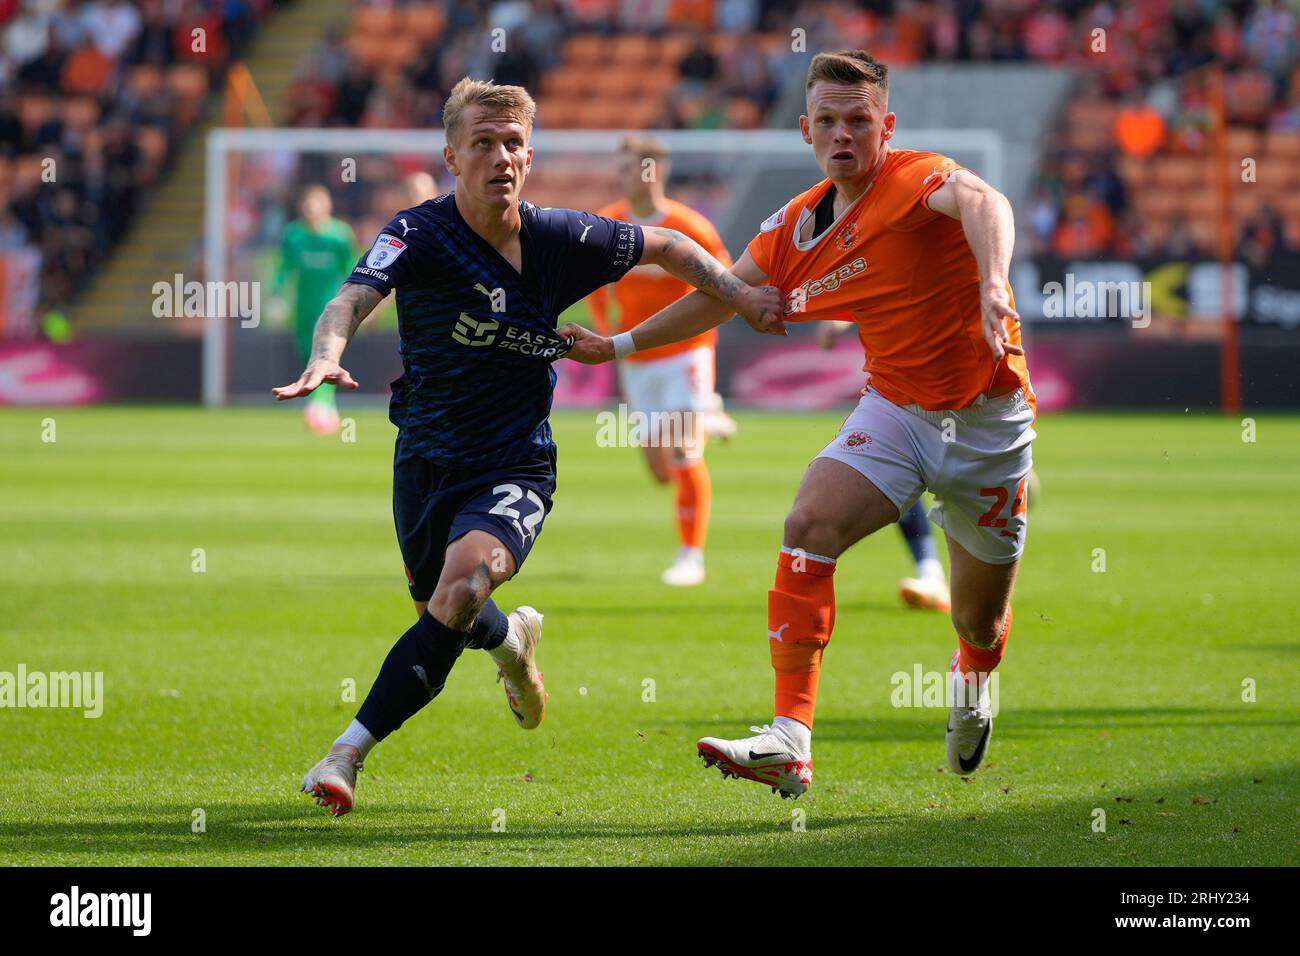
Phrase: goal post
(253, 175)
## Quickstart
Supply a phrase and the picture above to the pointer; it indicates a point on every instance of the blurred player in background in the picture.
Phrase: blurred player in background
(678, 378)
(928, 590)
(918, 250)
(481, 277)
(421, 187)
(316, 253)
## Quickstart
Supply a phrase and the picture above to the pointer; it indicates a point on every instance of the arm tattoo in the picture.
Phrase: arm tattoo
(690, 262)
(340, 320)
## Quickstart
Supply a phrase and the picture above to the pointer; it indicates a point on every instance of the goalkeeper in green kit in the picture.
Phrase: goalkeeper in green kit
(319, 251)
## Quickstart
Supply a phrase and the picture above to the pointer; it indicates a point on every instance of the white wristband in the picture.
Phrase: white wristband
(623, 345)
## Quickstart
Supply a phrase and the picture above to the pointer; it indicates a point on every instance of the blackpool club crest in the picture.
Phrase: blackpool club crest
(849, 237)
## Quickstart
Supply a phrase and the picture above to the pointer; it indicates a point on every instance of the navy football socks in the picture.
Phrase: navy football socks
(416, 669)
(916, 531)
(414, 673)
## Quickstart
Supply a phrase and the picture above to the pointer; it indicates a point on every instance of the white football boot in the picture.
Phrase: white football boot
(925, 593)
(687, 570)
(333, 781)
(767, 758)
(525, 692)
(970, 723)
(717, 423)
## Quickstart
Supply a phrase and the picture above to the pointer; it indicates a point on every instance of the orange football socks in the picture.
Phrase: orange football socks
(982, 660)
(694, 498)
(800, 616)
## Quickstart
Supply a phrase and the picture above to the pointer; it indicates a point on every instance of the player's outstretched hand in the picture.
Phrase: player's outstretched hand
(312, 377)
(763, 307)
(995, 307)
(588, 347)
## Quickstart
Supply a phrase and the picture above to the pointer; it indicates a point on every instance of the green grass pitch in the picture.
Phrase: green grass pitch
(1122, 690)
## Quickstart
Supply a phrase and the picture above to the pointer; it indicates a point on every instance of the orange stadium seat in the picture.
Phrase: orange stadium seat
(632, 50)
(658, 80)
(644, 114)
(588, 48)
(674, 46)
(568, 82)
(1244, 141)
(622, 84)
(556, 113)
(1283, 144)
(599, 114)
(1179, 172)
(1158, 203)
(1136, 173)
(1200, 204)
(1245, 203)
(724, 44)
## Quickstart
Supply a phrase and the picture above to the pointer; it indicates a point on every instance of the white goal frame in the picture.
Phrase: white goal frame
(222, 142)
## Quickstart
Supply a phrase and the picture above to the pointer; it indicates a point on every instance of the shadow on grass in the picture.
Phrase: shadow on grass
(1241, 819)
(288, 825)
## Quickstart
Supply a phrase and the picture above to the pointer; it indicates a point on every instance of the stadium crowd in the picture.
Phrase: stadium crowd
(1143, 92)
(1130, 173)
(94, 100)
(108, 88)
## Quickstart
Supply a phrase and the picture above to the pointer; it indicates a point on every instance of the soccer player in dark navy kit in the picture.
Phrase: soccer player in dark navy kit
(481, 277)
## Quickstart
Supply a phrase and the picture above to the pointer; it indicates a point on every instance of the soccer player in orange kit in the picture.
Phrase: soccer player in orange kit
(918, 250)
(673, 383)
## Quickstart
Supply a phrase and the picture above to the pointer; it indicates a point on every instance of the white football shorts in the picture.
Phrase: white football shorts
(975, 460)
(679, 383)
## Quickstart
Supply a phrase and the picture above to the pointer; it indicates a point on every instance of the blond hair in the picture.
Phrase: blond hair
(849, 68)
(514, 100)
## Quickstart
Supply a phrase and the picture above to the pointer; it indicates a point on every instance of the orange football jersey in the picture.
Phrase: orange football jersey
(906, 276)
(647, 288)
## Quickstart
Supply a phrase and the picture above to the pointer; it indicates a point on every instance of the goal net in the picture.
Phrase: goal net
(254, 179)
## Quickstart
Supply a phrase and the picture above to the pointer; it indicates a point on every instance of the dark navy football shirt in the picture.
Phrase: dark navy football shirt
(478, 338)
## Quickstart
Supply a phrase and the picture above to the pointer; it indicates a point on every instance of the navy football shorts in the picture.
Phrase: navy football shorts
(433, 505)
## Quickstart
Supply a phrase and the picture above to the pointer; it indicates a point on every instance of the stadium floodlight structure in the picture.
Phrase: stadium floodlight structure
(738, 176)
